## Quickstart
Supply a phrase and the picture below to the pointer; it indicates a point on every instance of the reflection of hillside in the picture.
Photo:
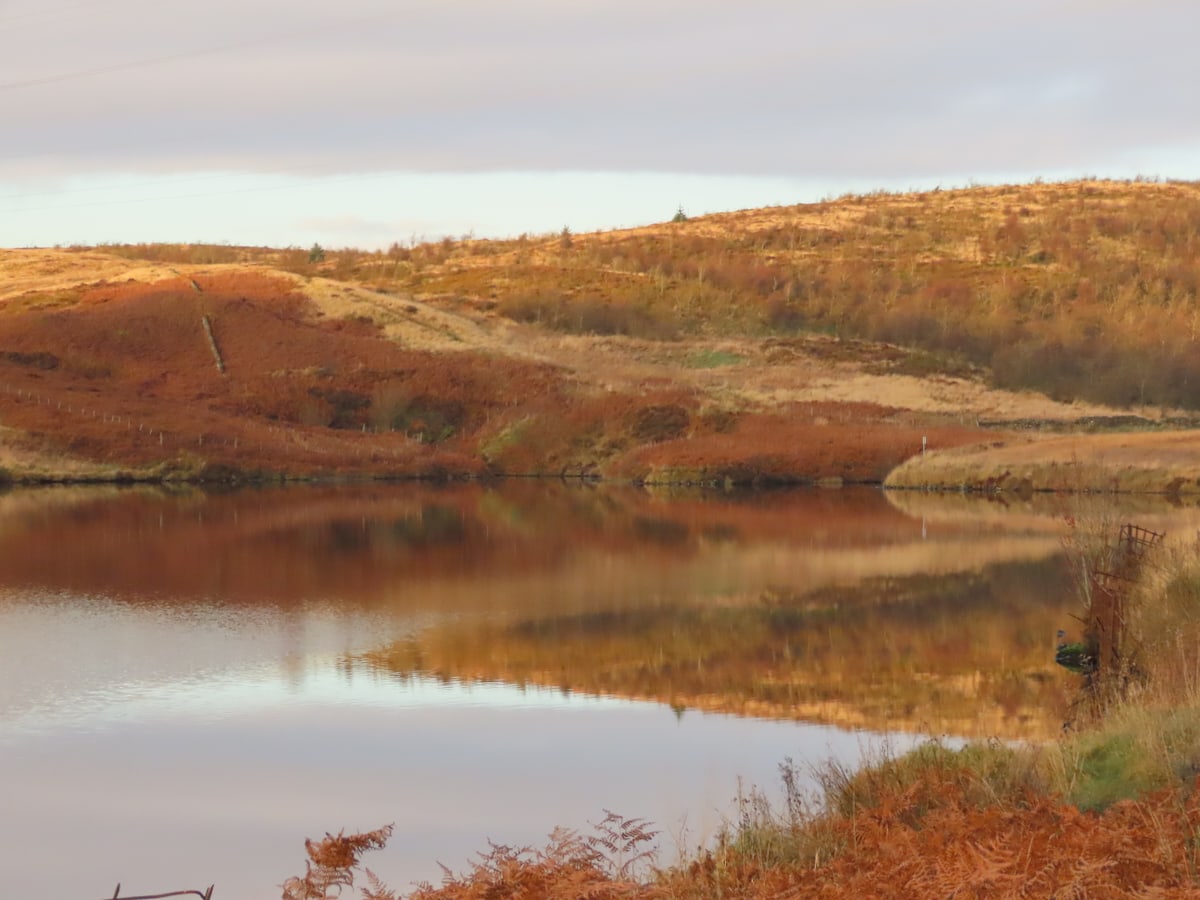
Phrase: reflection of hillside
(513, 545)
(969, 654)
(1041, 512)
(1047, 513)
(823, 605)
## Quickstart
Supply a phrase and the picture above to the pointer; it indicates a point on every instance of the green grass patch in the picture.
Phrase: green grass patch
(712, 359)
(495, 446)
(1130, 753)
(987, 773)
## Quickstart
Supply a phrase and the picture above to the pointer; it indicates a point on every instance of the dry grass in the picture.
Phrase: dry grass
(934, 824)
(331, 863)
(1134, 462)
(1085, 289)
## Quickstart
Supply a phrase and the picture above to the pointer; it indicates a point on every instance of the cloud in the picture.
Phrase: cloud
(864, 88)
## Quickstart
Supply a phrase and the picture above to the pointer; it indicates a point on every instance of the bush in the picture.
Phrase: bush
(660, 423)
(586, 315)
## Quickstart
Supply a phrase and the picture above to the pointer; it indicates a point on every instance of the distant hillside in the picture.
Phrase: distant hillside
(826, 342)
(241, 371)
(1082, 289)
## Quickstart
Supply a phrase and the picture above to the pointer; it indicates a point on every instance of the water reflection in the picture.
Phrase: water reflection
(191, 683)
(966, 653)
(363, 545)
(824, 606)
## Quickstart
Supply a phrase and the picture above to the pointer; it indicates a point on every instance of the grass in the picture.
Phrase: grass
(1118, 762)
(712, 359)
(1084, 290)
(1162, 462)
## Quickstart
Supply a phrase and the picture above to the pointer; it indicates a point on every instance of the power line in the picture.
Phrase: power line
(228, 193)
(50, 12)
(277, 37)
(151, 181)
(191, 179)
(120, 67)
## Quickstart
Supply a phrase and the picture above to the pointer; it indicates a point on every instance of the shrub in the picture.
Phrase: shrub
(660, 423)
(343, 408)
(425, 418)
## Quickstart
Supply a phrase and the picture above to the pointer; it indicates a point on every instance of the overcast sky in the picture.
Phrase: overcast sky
(367, 121)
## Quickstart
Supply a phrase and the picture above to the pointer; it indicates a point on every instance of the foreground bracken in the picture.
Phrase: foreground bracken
(945, 832)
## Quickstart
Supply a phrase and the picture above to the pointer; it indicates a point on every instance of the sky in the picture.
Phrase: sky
(368, 122)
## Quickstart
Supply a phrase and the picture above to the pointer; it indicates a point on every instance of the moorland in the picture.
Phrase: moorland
(1018, 338)
(1046, 331)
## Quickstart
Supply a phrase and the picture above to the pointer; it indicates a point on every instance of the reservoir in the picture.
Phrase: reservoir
(192, 683)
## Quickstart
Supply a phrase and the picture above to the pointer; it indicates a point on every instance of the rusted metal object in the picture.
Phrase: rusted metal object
(1106, 629)
(203, 895)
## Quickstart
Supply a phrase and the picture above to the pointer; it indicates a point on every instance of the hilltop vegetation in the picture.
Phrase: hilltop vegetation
(819, 342)
(1082, 290)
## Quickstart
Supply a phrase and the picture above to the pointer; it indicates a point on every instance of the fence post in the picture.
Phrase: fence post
(212, 344)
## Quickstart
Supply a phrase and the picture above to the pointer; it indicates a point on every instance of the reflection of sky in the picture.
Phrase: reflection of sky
(72, 658)
(199, 696)
(176, 749)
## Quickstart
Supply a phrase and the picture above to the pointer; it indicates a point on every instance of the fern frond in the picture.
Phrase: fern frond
(376, 889)
(331, 863)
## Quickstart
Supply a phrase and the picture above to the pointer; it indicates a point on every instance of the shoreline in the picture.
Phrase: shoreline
(1053, 465)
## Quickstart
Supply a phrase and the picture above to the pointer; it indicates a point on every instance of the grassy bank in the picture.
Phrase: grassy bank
(1107, 809)
(1158, 462)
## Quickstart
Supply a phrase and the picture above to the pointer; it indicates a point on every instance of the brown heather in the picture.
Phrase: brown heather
(808, 343)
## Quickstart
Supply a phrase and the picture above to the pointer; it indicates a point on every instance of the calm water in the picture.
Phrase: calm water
(191, 684)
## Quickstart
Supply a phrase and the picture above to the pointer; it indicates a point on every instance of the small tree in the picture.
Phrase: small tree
(680, 215)
(316, 254)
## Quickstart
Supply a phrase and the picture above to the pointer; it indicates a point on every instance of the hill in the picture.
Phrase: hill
(816, 343)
